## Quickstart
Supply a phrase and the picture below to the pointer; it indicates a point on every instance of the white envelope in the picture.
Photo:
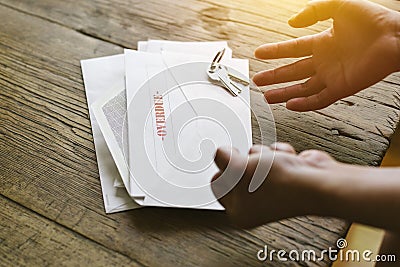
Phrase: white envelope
(110, 113)
(104, 80)
(162, 176)
(155, 46)
(102, 76)
(205, 49)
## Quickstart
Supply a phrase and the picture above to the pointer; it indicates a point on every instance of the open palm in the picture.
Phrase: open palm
(360, 49)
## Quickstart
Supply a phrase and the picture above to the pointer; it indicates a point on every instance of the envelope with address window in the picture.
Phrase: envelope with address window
(162, 122)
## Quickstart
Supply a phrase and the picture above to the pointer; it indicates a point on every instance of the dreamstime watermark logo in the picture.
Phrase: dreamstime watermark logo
(339, 253)
(180, 119)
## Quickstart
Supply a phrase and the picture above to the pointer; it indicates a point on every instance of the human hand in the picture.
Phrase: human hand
(296, 184)
(360, 49)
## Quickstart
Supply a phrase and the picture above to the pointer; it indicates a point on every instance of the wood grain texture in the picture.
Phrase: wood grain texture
(31, 240)
(48, 174)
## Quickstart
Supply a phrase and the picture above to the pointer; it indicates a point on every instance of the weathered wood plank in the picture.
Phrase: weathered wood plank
(27, 239)
(47, 161)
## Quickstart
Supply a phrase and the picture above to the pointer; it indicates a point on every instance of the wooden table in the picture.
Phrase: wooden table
(51, 204)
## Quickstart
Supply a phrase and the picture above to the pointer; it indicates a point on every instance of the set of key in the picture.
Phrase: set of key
(220, 73)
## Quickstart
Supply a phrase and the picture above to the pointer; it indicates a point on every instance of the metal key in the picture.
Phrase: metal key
(241, 80)
(227, 82)
(218, 72)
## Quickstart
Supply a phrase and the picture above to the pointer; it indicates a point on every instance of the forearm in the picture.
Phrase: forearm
(367, 195)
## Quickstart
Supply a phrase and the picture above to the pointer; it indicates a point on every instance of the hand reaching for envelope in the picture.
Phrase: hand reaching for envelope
(359, 50)
(293, 187)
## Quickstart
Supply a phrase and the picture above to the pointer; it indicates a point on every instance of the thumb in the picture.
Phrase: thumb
(224, 155)
(227, 177)
(318, 10)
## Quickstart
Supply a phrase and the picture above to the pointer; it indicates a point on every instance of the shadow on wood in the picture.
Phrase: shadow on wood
(165, 219)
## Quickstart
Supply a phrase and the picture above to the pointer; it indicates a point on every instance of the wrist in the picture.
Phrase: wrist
(366, 195)
(327, 190)
(341, 191)
(316, 190)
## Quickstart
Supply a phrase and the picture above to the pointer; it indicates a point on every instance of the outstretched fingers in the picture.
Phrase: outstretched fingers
(313, 102)
(293, 72)
(310, 87)
(299, 47)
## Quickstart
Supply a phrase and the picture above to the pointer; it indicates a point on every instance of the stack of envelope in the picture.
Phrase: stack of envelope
(157, 119)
